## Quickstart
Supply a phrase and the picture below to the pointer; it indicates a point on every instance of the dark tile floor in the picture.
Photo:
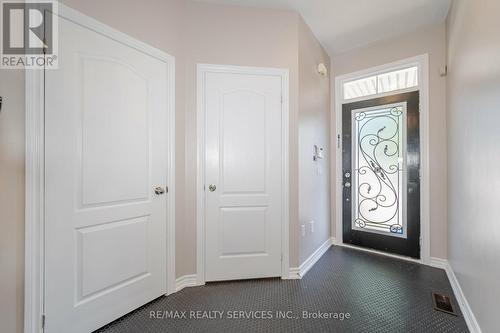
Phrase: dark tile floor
(380, 294)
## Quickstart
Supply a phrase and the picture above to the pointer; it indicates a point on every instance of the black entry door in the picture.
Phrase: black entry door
(380, 167)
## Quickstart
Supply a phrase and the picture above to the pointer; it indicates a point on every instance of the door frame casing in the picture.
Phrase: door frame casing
(202, 70)
(422, 61)
(34, 277)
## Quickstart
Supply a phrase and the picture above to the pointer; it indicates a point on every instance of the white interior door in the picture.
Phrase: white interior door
(243, 167)
(106, 152)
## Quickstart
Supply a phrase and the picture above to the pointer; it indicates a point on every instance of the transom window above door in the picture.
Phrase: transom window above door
(400, 79)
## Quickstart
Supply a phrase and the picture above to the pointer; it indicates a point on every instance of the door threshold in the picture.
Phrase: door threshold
(386, 254)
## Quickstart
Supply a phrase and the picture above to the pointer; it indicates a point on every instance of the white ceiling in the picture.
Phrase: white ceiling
(341, 25)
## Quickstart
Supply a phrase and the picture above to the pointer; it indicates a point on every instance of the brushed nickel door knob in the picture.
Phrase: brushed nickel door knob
(159, 190)
(212, 188)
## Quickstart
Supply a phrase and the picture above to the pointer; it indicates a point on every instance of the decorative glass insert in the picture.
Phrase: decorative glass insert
(382, 83)
(379, 182)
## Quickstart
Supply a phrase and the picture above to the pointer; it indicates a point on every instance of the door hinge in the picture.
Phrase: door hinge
(338, 141)
(420, 241)
(282, 257)
(43, 321)
(166, 189)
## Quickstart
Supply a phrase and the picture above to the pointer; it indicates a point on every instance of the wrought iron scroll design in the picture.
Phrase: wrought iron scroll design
(379, 155)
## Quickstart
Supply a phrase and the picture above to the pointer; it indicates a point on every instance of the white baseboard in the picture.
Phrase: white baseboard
(294, 273)
(185, 281)
(438, 263)
(299, 272)
(469, 317)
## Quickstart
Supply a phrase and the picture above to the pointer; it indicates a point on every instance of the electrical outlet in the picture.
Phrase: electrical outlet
(303, 230)
(311, 223)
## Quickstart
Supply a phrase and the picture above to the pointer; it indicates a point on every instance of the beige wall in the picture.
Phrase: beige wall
(431, 40)
(11, 201)
(314, 129)
(474, 154)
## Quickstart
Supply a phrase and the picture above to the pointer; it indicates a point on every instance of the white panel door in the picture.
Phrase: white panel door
(243, 176)
(106, 152)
